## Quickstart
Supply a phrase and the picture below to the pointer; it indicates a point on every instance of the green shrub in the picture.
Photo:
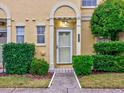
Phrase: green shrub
(82, 65)
(108, 19)
(18, 57)
(39, 67)
(108, 63)
(110, 48)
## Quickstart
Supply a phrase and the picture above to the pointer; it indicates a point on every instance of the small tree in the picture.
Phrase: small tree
(108, 19)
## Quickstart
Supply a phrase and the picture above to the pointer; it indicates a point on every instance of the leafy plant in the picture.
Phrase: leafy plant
(39, 67)
(108, 63)
(17, 58)
(108, 19)
(109, 48)
(82, 65)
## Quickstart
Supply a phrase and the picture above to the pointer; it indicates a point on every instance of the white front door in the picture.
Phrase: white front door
(64, 46)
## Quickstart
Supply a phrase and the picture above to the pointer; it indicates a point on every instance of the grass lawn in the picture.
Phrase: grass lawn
(107, 80)
(16, 81)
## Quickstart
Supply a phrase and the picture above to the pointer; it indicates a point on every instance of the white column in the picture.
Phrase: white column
(51, 44)
(8, 30)
(78, 39)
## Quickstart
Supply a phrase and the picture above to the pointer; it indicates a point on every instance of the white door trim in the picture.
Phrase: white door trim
(57, 43)
(8, 17)
(63, 3)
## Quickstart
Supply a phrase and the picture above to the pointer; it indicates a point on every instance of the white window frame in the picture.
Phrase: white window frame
(90, 6)
(20, 34)
(41, 44)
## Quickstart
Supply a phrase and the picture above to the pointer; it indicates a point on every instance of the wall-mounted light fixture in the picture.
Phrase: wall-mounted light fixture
(33, 19)
(27, 19)
(13, 20)
(64, 23)
(43, 53)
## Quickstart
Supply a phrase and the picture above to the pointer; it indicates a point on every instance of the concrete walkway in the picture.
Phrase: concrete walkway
(70, 90)
(62, 83)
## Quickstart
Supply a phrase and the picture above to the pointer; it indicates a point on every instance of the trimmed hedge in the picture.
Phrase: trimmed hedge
(82, 65)
(110, 48)
(39, 67)
(108, 63)
(17, 58)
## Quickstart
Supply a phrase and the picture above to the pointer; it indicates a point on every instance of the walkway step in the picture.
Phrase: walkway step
(64, 70)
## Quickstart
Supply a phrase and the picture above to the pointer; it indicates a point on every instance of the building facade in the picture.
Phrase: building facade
(58, 28)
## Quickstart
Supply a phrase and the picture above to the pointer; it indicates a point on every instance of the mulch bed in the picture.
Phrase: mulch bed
(102, 72)
(1, 67)
(48, 76)
(98, 72)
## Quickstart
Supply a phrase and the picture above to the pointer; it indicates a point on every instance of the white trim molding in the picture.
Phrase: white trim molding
(40, 24)
(86, 18)
(89, 7)
(40, 45)
(8, 17)
(64, 3)
(20, 24)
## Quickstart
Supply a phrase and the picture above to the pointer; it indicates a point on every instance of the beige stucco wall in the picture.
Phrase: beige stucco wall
(32, 12)
(87, 39)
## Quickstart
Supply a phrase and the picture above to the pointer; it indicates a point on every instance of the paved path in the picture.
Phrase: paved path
(38, 90)
(62, 83)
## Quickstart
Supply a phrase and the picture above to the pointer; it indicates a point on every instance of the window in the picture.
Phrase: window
(20, 34)
(91, 3)
(41, 34)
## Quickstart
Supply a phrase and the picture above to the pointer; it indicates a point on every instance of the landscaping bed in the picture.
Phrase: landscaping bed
(103, 80)
(108, 58)
(22, 69)
(25, 81)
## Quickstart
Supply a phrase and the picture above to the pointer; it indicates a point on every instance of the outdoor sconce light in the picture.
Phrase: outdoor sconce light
(13, 20)
(64, 23)
(27, 19)
(43, 53)
(33, 19)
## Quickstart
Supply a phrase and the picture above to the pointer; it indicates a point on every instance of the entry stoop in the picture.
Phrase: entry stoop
(64, 70)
